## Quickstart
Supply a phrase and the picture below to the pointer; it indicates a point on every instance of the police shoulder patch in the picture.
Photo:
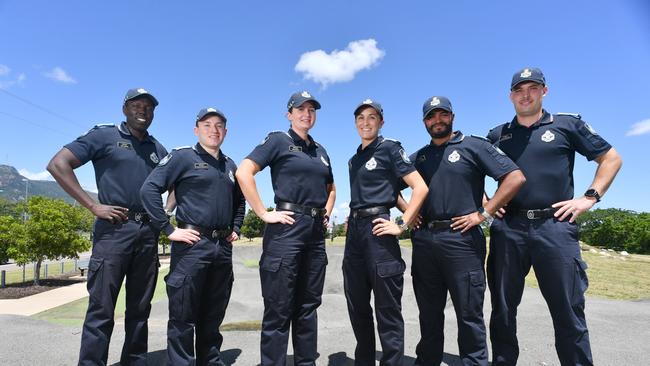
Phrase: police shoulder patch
(574, 115)
(165, 160)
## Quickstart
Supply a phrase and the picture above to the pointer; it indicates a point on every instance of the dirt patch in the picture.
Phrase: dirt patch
(19, 290)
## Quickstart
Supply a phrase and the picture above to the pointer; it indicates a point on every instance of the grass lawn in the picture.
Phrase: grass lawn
(53, 270)
(614, 276)
(73, 313)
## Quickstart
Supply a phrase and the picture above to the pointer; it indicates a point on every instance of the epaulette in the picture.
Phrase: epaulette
(278, 131)
(182, 147)
(99, 126)
(480, 137)
(574, 115)
(391, 140)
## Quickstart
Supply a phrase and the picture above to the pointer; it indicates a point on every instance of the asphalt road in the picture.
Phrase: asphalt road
(618, 329)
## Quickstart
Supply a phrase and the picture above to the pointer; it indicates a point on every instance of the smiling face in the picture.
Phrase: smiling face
(302, 118)
(439, 123)
(368, 122)
(527, 98)
(211, 131)
(139, 114)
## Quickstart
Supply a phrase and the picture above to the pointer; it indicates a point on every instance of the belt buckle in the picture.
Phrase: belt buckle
(530, 214)
(314, 212)
(137, 217)
(215, 234)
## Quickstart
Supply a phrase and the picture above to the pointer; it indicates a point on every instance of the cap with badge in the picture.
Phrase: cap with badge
(299, 98)
(436, 102)
(138, 92)
(527, 74)
(210, 111)
(369, 103)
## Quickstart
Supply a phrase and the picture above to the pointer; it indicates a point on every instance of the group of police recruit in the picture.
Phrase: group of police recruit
(532, 215)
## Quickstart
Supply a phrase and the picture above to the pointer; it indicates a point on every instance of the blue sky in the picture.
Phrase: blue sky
(65, 66)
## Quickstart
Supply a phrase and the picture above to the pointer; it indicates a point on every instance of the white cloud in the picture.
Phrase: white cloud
(61, 75)
(45, 175)
(6, 71)
(639, 128)
(339, 66)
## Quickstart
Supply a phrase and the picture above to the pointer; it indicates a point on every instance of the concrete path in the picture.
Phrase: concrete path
(618, 329)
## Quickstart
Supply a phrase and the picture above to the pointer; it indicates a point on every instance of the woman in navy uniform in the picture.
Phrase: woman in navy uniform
(372, 259)
(292, 267)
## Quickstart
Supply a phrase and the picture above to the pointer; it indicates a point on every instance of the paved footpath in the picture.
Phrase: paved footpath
(618, 329)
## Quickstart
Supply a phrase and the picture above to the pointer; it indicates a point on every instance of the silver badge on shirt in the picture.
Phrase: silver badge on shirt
(548, 136)
(454, 156)
(371, 164)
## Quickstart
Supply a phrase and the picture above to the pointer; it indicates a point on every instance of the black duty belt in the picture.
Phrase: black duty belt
(208, 233)
(438, 224)
(370, 211)
(138, 216)
(311, 211)
(545, 213)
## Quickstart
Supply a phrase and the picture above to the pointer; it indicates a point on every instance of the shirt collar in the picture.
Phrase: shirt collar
(456, 138)
(298, 140)
(372, 145)
(201, 151)
(125, 130)
(546, 119)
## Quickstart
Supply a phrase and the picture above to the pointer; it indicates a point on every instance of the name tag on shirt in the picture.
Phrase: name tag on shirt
(125, 145)
(201, 165)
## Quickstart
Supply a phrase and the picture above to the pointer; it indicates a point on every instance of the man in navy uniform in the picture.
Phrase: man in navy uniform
(538, 228)
(124, 244)
(449, 246)
(209, 214)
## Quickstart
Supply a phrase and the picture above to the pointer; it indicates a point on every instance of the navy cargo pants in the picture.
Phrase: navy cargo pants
(292, 274)
(374, 263)
(130, 250)
(199, 284)
(551, 248)
(444, 261)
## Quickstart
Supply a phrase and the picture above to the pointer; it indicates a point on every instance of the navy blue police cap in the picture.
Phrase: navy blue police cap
(138, 92)
(299, 98)
(204, 112)
(369, 103)
(436, 102)
(527, 74)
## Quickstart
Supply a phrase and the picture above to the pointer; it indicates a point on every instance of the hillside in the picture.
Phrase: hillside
(12, 187)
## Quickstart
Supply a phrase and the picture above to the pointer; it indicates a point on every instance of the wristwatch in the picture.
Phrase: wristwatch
(402, 225)
(485, 214)
(593, 193)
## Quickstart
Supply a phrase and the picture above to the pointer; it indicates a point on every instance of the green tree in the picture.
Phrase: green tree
(8, 208)
(52, 231)
(253, 226)
(11, 230)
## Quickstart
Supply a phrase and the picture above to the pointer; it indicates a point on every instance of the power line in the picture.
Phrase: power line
(34, 123)
(46, 110)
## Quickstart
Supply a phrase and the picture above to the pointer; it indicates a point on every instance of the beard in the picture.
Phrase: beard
(441, 134)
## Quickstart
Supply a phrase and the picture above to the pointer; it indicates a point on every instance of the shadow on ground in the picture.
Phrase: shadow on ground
(159, 358)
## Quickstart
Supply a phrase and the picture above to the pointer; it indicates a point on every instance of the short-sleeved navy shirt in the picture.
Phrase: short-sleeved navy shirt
(300, 173)
(121, 162)
(455, 172)
(207, 193)
(545, 152)
(376, 172)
